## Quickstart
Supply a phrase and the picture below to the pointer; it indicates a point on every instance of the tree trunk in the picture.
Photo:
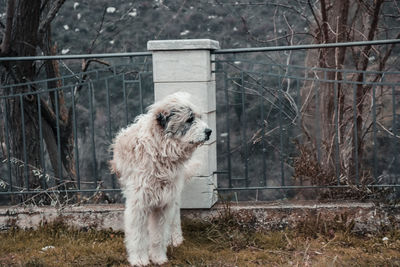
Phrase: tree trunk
(23, 124)
(28, 28)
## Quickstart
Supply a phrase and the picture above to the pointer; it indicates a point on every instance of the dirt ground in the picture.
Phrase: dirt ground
(221, 242)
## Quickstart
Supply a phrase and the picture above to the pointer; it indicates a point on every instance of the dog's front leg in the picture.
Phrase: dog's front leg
(136, 233)
(159, 221)
(176, 230)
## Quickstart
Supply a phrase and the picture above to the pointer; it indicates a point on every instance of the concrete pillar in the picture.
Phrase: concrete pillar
(185, 65)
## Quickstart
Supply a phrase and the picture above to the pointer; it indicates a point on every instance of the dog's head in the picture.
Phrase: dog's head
(178, 118)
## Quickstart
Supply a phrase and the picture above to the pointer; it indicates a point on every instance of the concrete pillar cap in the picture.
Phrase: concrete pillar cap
(184, 44)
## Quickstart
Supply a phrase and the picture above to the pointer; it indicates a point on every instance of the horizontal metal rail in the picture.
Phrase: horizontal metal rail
(84, 56)
(288, 187)
(301, 47)
(43, 191)
(218, 51)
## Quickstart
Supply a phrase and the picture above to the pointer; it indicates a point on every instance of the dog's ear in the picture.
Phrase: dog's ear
(162, 120)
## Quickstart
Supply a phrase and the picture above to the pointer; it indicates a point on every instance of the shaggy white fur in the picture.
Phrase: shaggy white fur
(152, 158)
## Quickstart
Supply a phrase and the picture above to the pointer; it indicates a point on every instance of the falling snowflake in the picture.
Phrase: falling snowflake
(64, 51)
(76, 4)
(66, 27)
(78, 16)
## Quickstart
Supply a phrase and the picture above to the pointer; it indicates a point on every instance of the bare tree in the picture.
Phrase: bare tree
(342, 21)
(28, 30)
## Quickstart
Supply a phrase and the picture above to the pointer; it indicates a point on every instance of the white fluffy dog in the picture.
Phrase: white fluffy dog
(152, 158)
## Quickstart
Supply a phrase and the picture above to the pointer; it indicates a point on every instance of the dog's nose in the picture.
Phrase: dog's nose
(208, 132)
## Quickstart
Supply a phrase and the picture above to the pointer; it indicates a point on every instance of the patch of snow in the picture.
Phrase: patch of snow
(111, 9)
(185, 32)
(47, 248)
(133, 13)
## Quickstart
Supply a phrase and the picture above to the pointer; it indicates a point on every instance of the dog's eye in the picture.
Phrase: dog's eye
(190, 120)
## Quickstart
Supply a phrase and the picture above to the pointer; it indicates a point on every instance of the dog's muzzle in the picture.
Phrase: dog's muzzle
(207, 132)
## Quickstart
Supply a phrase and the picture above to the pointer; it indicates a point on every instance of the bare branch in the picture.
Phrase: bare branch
(172, 18)
(50, 16)
(98, 31)
(363, 63)
(315, 16)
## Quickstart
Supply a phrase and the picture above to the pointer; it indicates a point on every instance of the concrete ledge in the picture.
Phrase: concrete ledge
(367, 217)
(184, 44)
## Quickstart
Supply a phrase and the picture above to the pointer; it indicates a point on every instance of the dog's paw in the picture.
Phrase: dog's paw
(159, 258)
(138, 260)
(176, 240)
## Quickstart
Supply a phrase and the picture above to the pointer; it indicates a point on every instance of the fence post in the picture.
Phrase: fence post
(185, 65)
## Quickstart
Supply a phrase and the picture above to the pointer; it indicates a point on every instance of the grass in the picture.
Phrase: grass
(219, 242)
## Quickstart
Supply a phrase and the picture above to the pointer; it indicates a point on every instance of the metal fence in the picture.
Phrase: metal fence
(56, 132)
(279, 134)
(276, 127)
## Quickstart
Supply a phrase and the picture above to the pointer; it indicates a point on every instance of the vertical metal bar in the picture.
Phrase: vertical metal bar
(374, 130)
(42, 161)
(298, 104)
(140, 94)
(299, 115)
(228, 139)
(6, 126)
(26, 176)
(244, 128)
(92, 133)
(109, 125)
(281, 154)
(336, 119)
(355, 132)
(59, 162)
(76, 149)
(317, 121)
(264, 150)
(125, 98)
(395, 147)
